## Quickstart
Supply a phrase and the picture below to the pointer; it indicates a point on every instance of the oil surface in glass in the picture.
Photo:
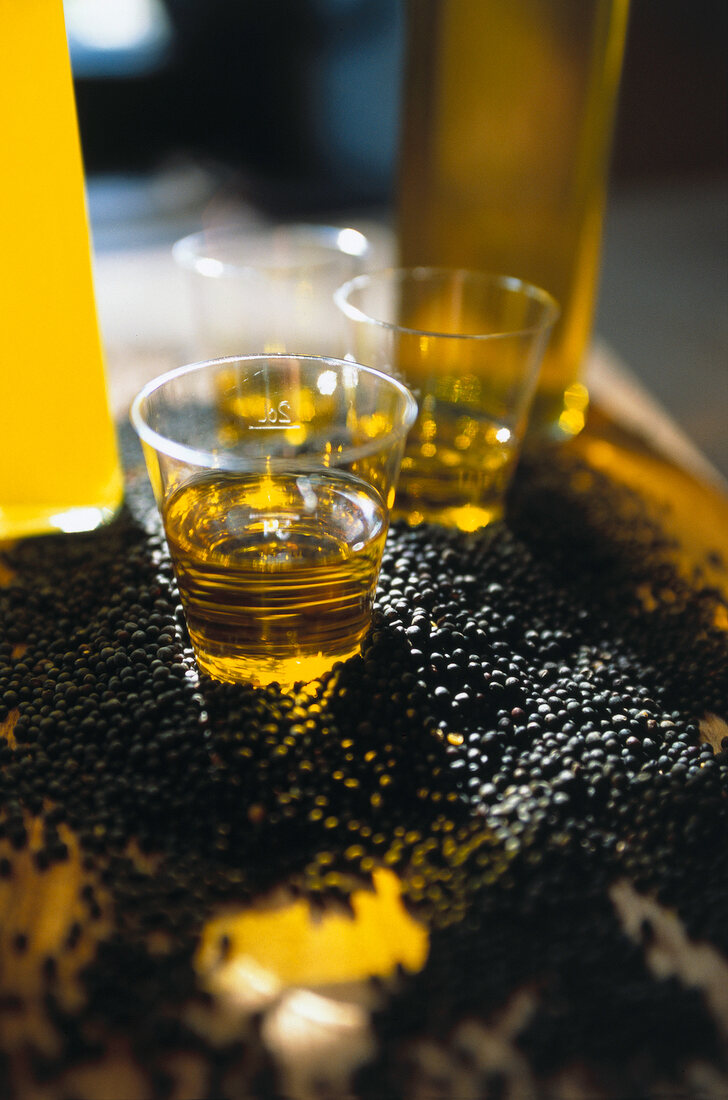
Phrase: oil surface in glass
(277, 573)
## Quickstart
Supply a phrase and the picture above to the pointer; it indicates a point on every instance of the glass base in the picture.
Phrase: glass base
(239, 668)
(467, 518)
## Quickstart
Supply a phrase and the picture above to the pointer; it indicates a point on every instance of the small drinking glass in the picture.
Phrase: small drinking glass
(274, 476)
(271, 290)
(469, 344)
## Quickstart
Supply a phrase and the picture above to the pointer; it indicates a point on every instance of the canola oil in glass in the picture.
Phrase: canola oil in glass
(456, 469)
(277, 572)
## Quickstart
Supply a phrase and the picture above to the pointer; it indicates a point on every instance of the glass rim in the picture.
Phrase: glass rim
(226, 462)
(551, 307)
(191, 253)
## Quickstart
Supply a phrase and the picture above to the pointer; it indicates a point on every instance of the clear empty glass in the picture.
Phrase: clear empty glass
(274, 476)
(469, 344)
(271, 290)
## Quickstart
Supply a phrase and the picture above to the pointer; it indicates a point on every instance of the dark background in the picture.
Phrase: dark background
(241, 81)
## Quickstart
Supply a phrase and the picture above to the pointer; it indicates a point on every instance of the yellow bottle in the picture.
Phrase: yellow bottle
(507, 121)
(59, 467)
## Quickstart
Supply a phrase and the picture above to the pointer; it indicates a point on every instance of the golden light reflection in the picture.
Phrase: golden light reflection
(471, 518)
(47, 909)
(296, 436)
(270, 494)
(305, 405)
(695, 512)
(428, 428)
(721, 618)
(571, 421)
(576, 397)
(375, 425)
(268, 949)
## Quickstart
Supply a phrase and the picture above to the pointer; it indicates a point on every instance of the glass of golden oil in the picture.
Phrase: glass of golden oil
(275, 477)
(470, 345)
